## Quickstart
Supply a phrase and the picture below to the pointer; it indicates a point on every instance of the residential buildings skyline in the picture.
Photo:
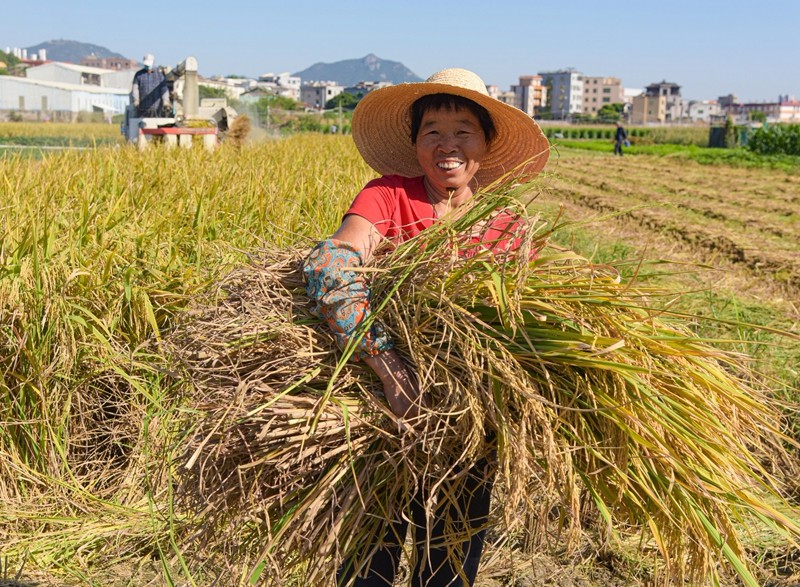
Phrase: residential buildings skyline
(710, 48)
(565, 94)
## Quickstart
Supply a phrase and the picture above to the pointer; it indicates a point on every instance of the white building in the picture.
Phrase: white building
(361, 89)
(232, 89)
(81, 75)
(66, 88)
(33, 95)
(281, 84)
(316, 94)
(628, 94)
(565, 91)
(703, 110)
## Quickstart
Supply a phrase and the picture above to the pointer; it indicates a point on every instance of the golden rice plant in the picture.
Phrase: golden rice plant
(35, 134)
(98, 252)
(590, 386)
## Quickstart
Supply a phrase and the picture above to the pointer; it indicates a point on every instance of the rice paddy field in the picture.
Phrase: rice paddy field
(733, 233)
(104, 248)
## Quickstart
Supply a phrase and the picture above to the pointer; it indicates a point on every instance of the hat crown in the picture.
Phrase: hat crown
(460, 78)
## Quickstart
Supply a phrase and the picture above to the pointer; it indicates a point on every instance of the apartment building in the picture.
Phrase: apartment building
(530, 95)
(601, 91)
(506, 97)
(317, 94)
(674, 104)
(116, 63)
(564, 92)
(649, 109)
(786, 110)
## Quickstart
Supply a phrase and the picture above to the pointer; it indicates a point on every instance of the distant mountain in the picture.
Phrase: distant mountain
(351, 71)
(70, 51)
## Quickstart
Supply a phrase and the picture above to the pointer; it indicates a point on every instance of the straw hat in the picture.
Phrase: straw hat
(382, 129)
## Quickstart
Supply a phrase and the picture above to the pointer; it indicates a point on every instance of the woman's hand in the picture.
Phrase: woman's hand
(400, 385)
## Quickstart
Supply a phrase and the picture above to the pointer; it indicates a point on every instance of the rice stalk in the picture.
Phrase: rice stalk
(568, 380)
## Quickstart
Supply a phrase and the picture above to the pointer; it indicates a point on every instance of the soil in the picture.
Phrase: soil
(744, 223)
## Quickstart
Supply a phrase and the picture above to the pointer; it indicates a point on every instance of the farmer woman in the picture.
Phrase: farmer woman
(435, 143)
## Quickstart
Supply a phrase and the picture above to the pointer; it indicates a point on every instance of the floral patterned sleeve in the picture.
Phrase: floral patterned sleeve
(341, 295)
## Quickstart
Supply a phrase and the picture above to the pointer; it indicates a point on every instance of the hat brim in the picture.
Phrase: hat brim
(382, 133)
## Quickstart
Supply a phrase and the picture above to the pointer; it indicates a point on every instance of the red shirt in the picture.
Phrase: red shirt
(399, 209)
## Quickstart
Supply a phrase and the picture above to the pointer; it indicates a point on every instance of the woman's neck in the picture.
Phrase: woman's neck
(446, 199)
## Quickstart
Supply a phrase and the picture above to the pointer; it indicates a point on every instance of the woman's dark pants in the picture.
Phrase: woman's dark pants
(438, 565)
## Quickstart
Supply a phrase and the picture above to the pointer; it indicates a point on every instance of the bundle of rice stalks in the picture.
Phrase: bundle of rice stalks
(239, 131)
(570, 381)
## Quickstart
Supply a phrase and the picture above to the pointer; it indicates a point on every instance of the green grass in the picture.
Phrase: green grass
(677, 135)
(739, 157)
(33, 142)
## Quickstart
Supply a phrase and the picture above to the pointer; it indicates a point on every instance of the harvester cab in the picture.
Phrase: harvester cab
(191, 120)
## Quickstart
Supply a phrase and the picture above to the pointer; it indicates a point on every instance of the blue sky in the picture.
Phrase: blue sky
(709, 47)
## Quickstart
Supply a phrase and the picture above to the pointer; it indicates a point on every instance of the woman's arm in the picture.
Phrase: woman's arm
(342, 300)
(360, 233)
(400, 386)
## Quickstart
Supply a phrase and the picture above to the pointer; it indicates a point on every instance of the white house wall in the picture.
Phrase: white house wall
(54, 72)
(118, 79)
(58, 97)
(93, 102)
(64, 73)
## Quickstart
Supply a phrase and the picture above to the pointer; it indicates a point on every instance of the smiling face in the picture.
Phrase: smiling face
(450, 146)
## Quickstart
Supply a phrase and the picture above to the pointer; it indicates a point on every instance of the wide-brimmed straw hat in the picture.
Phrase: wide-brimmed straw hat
(382, 129)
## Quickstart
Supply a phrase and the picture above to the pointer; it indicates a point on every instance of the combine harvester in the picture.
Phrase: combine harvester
(207, 119)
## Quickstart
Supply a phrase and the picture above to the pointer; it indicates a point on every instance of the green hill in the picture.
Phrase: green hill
(367, 69)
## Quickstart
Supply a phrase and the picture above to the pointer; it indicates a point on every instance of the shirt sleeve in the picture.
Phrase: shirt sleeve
(135, 91)
(340, 296)
(377, 203)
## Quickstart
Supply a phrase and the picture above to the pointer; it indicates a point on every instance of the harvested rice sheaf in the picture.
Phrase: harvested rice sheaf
(584, 386)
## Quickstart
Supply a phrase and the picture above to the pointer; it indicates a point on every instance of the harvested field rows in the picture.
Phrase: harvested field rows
(744, 219)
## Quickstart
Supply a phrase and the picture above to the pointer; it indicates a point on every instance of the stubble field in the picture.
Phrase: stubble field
(749, 218)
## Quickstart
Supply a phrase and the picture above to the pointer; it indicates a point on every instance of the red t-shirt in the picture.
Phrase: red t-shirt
(399, 209)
